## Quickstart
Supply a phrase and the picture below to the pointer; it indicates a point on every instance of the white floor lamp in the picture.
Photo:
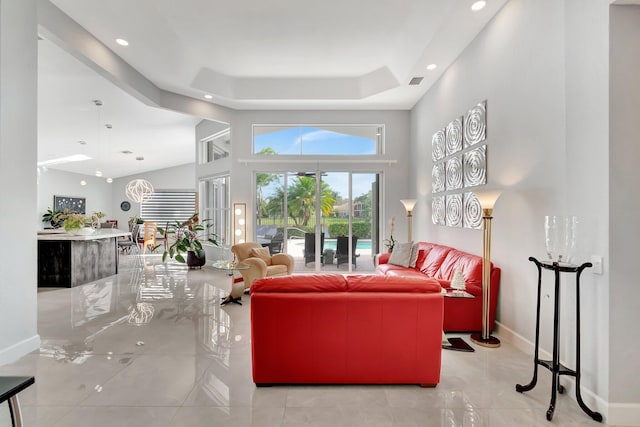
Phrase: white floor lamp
(487, 200)
(408, 206)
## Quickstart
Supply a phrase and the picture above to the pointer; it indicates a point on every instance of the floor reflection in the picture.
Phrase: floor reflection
(152, 346)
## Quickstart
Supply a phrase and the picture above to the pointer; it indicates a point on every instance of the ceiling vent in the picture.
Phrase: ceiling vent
(415, 81)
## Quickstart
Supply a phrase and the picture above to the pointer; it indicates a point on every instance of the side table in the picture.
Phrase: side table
(455, 343)
(556, 368)
(9, 389)
(235, 296)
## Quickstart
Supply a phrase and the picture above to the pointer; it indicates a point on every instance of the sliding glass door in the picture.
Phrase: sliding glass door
(327, 220)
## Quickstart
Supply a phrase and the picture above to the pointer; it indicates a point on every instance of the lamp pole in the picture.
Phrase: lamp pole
(487, 201)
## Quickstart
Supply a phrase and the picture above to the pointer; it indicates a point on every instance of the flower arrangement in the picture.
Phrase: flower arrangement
(74, 221)
(96, 216)
(391, 242)
(187, 236)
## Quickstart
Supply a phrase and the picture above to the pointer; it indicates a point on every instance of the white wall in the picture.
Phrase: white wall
(176, 178)
(52, 182)
(18, 97)
(624, 151)
(546, 150)
(587, 172)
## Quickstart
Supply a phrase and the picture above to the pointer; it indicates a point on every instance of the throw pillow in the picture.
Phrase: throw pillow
(401, 254)
(414, 255)
(262, 253)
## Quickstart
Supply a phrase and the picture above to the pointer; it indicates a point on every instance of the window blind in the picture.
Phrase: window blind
(168, 206)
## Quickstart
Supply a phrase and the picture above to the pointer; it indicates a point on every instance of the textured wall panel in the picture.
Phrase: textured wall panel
(454, 136)
(475, 166)
(438, 210)
(453, 173)
(472, 216)
(454, 210)
(475, 124)
(438, 145)
(438, 183)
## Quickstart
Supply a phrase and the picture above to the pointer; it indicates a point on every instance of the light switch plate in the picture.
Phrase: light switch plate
(596, 260)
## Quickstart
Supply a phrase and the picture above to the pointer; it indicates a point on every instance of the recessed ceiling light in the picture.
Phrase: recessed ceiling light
(122, 42)
(109, 180)
(208, 96)
(98, 173)
(127, 152)
(480, 4)
(83, 182)
(82, 142)
(431, 67)
(140, 158)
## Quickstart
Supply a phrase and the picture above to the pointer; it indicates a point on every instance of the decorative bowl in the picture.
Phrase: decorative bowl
(83, 231)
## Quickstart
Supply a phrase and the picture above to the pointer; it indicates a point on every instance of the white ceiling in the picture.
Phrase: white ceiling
(250, 54)
(67, 115)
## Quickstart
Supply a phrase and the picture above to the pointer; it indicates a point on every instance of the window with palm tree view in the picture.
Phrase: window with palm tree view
(328, 220)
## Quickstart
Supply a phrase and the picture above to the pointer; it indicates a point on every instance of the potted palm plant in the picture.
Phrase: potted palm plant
(187, 238)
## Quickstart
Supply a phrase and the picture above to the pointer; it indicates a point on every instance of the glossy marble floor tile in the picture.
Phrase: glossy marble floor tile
(153, 347)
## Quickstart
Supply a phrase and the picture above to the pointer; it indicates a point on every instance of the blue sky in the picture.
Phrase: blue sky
(313, 141)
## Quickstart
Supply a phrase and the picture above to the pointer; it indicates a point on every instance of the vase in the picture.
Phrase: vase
(82, 231)
(195, 260)
(560, 237)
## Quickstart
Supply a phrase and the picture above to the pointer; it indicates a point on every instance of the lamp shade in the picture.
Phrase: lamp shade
(408, 204)
(488, 198)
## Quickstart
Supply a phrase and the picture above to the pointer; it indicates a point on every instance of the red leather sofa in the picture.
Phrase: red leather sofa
(439, 262)
(354, 329)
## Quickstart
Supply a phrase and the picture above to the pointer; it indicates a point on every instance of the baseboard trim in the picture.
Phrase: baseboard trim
(624, 414)
(518, 341)
(16, 351)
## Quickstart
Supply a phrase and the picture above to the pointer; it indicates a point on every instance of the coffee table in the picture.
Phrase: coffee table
(237, 289)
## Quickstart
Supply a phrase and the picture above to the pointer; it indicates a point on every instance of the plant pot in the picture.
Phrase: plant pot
(82, 231)
(196, 260)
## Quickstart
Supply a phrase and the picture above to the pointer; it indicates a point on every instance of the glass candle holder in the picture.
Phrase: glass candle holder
(560, 237)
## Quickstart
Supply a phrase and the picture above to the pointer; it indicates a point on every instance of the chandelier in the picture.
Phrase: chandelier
(139, 190)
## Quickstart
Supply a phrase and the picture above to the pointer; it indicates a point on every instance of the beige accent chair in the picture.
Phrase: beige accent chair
(276, 265)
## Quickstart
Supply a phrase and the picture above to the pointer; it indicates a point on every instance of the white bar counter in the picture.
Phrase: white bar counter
(68, 260)
(60, 234)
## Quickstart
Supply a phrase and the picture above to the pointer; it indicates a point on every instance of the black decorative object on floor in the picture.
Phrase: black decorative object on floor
(457, 344)
(557, 369)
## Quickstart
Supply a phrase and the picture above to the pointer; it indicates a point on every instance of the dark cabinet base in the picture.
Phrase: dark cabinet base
(69, 263)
